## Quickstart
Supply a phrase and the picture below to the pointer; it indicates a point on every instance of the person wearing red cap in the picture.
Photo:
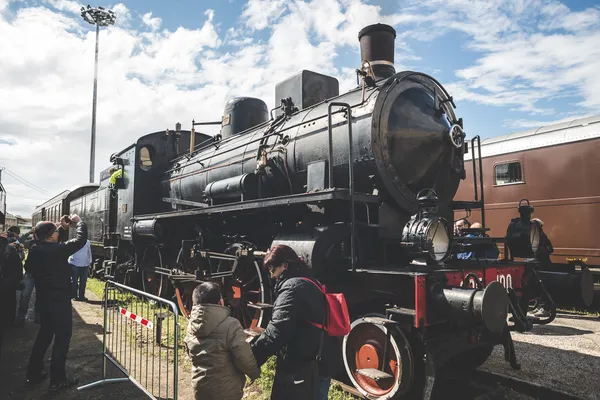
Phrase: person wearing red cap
(300, 372)
(48, 263)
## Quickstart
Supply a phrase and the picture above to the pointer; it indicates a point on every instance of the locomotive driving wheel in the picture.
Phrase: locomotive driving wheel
(183, 294)
(153, 282)
(364, 347)
(245, 292)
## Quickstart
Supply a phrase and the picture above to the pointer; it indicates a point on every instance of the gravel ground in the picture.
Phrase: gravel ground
(563, 355)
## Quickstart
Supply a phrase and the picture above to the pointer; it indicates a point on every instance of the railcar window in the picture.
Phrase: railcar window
(146, 158)
(508, 173)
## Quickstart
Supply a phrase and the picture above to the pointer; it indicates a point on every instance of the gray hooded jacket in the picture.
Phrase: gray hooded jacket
(220, 355)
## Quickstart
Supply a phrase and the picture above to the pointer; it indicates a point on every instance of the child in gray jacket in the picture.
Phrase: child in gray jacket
(217, 345)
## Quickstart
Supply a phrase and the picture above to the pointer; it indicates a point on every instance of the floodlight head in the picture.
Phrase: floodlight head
(98, 16)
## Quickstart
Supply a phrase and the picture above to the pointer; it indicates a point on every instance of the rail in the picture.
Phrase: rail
(140, 338)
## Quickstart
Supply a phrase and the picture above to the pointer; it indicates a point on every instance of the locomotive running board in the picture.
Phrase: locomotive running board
(258, 204)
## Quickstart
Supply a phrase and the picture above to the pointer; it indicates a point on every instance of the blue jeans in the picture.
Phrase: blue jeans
(79, 274)
(28, 285)
(324, 384)
(296, 386)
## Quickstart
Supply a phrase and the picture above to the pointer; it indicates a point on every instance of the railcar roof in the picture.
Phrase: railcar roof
(62, 195)
(550, 135)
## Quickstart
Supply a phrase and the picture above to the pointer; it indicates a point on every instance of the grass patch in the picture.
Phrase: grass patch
(95, 286)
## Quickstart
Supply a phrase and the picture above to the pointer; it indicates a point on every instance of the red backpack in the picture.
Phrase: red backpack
(338, 319)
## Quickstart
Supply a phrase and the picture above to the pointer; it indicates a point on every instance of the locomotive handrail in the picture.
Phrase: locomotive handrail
(350, 170)
(481, 202)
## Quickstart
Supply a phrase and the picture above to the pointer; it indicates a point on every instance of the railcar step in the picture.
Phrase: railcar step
(260, 306)
(374, 374)
(379, 321)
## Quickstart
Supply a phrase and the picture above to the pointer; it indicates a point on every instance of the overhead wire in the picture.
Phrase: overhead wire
(26, 182)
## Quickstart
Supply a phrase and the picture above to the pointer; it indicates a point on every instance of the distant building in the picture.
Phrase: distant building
(17, 220)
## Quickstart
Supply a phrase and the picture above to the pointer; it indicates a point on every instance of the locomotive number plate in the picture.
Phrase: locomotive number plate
(505, 279)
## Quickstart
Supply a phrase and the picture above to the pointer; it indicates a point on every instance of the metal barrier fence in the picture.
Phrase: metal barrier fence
(140, 338)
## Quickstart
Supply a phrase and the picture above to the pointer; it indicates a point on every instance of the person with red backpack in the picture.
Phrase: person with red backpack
(304, 331)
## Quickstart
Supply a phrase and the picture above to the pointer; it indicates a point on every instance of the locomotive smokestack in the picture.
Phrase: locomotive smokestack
(377, 47)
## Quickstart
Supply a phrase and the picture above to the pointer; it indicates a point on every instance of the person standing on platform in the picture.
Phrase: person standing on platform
(80, 263)
(11, 273)
(48, 263)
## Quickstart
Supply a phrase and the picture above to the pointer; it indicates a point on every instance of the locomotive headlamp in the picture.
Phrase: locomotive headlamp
(426, 234)
(523, 235)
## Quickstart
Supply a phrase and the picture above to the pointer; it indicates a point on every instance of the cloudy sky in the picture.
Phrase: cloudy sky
(510, 65)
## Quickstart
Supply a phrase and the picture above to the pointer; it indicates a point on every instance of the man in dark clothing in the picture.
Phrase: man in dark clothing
(291, 335)
(11, 273)
(48, 263)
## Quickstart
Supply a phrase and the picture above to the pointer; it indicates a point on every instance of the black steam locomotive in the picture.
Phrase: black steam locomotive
(361, 185)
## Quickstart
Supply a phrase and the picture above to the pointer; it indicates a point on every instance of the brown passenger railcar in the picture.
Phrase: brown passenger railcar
(557, 168)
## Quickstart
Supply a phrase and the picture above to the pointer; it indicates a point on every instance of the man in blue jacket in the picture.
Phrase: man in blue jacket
(48, 263)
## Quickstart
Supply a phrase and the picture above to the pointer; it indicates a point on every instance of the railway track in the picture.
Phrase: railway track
(485, 385)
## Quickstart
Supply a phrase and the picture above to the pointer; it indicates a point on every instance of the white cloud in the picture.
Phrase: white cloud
(66, 5)
(123, 15)
(258, 14)
(153, 23)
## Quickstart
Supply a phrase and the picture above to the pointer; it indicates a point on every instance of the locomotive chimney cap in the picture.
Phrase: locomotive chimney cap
(376, 27)
(377, 48)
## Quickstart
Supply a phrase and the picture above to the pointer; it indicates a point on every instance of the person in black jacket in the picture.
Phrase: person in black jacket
(11, 273)
(48, 263)
(291, 335)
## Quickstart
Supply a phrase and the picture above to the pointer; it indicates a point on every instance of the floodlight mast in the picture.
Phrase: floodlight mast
(100, 17)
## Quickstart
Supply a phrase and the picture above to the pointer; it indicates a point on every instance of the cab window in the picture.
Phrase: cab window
(508, 173)
(145, 158)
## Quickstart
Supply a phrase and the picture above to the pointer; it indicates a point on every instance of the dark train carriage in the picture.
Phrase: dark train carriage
(92, 209)
(53, 209)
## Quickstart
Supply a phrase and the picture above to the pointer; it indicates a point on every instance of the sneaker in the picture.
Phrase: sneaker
(35, 380)
(541, 313)
(69, 382)
(84, 299)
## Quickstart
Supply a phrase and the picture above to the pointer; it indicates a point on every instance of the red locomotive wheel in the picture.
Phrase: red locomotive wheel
(363, 348)
(183, 293)
(245, 290)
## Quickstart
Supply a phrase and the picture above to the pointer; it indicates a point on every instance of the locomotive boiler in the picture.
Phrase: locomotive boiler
(360, 185)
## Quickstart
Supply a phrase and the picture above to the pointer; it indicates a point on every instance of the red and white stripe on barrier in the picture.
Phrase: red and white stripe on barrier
(136, 318)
